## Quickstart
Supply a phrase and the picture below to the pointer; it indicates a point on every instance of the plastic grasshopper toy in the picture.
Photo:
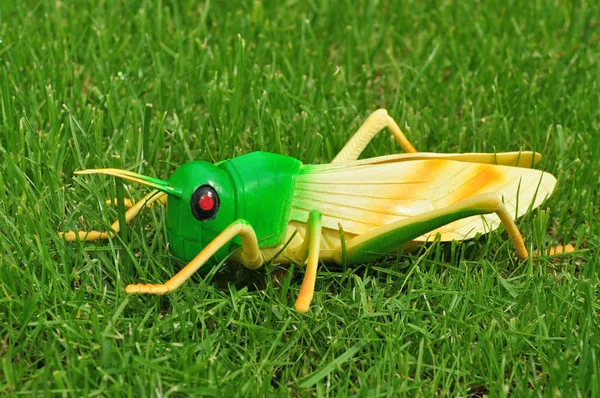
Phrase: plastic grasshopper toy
(266, 207)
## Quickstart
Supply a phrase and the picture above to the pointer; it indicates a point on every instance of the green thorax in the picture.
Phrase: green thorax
(257, 187)
(264, 184)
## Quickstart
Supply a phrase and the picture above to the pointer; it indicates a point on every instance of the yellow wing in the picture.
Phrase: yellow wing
(364, 195)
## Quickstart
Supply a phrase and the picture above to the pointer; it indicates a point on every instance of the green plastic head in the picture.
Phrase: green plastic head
(204, 209)
(201, 205)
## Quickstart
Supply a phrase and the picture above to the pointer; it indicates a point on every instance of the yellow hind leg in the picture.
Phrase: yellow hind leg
(377, 121)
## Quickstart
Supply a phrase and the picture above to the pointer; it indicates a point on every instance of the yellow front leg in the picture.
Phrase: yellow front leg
(250, 256)
(132, 211)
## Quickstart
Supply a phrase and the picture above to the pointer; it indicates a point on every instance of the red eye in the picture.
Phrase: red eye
(205, 203)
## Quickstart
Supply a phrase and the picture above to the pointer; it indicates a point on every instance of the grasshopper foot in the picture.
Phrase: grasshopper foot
(303, 304)
(141, 288)
(555, 250)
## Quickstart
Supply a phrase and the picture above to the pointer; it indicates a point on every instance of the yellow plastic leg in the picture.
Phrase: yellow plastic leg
(113, 202)
(251, 257)
(554, 250)
(313, 239)
(374, 124)
(130, 214)
(380, 240)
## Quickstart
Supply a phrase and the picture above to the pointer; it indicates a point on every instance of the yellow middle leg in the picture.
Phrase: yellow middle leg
(312, 244)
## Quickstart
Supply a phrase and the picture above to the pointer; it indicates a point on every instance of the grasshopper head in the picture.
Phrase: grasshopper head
(201, 205)
(204, 209)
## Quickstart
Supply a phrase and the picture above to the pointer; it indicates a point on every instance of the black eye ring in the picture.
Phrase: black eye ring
(205, 203)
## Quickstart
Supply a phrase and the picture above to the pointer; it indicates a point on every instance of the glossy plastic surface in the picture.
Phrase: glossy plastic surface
(256, 187)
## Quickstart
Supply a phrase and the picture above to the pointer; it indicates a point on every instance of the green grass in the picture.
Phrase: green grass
(295, 78)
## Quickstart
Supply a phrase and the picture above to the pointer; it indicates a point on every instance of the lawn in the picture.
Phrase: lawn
(149, 85)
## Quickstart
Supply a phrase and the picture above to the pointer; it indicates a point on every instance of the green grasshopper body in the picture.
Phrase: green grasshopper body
(267, 207)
